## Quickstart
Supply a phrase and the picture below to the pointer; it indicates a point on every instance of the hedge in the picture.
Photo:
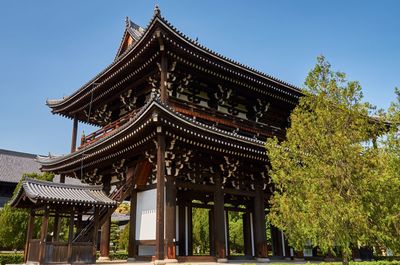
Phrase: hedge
(11, 258)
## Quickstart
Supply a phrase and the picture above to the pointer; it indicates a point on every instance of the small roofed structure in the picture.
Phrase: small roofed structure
(59, 200)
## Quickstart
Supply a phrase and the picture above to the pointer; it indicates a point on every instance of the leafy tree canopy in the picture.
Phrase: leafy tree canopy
(325, 171)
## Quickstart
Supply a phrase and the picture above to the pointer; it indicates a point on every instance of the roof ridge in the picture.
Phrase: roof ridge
(17, 153)
(61, 185)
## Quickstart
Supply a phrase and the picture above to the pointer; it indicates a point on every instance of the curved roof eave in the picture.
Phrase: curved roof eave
(53, 103)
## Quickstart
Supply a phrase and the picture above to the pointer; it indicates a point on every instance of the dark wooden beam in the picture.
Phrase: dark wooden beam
(29, 233)
(43, 236)
(163, 80)
(70, 235)
(96, 230)
(170, 218)
(74, 134)
(219, 223)
(105, 228)
(247, 234)
(182, 234)
(160, 176)
(132, 228)
(260, 239)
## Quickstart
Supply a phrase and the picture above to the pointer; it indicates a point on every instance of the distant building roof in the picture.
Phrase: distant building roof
(38, 192)
(14, 164)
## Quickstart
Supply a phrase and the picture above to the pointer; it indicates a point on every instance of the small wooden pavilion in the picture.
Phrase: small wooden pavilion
(180, 128)
(57, 200)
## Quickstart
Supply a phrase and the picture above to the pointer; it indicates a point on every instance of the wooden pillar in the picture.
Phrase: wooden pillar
(70, 235)
(29, 233)
(56, 227)
(95, 232)
(160, 176)
(105, 228)
(132, 252)
(43, 235)
(79, 223)
(163, 81)
(190, 230)
(247, 234)
(219, 222)
(74, 134)
(62, 178)
(170, 218)
(260, 238)
(182, 231)
(211, 231)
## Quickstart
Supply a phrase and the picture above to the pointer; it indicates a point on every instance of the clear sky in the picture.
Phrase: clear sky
(48, 49)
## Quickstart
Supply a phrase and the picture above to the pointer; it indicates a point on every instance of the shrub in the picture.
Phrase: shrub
(12, 258)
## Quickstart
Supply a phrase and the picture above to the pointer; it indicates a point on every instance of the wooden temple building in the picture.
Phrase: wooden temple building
(180, 127)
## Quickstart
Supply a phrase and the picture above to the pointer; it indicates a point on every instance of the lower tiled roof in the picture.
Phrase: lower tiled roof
(44, 192)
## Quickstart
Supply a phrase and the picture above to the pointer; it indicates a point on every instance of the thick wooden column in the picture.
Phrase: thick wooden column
(219, 222)
(74, 134)
(211, 231)
(132, 252)
(43, 236)
(170, 218)
(160, 177)
(29, 233)
(56, 227)
(247, 234)
(163, 71)
(182, 231)
(190, 230)
(70, 235)
(261, 250)
(105, 228)
(95, 231)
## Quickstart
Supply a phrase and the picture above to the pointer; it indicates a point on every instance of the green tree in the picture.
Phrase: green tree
(201, 237)
(123, 241)
(325, 166)
(13, 222)
(114, 235)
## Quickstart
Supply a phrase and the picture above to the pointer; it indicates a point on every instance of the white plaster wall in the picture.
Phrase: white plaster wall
(146, 215)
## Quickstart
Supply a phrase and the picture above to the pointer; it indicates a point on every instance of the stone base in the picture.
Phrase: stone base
(169, 261)
(129, 260)
(104, 258)
(263, 260)
(224, 260)
(159, 262)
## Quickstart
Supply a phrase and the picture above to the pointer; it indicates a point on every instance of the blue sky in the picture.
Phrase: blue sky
(48, 49)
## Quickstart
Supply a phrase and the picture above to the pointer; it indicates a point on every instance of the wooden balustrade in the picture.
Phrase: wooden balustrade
(106, 130)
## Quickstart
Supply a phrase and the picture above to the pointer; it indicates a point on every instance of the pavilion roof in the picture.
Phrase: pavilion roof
(245, 146)
(95, 87)
(33, 192)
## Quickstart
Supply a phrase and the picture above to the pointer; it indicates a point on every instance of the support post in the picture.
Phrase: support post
(259, 226)
(56, 227)
(95, 231)
(132, 252)
(182, 232)
(219, 222)
(43, 235)
(105, 228)
(247, 234)
(29, 233)
(170, 219)
(70, 235)
(163, 79)
(74, 134)
(160, 176)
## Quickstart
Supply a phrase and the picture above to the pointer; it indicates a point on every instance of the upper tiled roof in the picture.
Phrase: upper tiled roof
(14, 164)
(38, 191)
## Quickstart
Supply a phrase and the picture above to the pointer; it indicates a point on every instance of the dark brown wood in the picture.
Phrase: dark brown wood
(56, 227)
(211, 230)
(132, 226)
(219, 223)
(170, 218)
(96, 229)
(105, 239)
(70, 235)
(29, 233)
(228, 243)
(74, 134)
(160, 176)
(190, 230)
(247, 234)
(163, 79)
(43, 235)
(182, 235)
(62, 178)
(105, 228)
(261, 250)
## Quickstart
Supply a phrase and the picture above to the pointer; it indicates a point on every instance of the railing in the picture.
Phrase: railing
(106, 130)
(117, 195)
